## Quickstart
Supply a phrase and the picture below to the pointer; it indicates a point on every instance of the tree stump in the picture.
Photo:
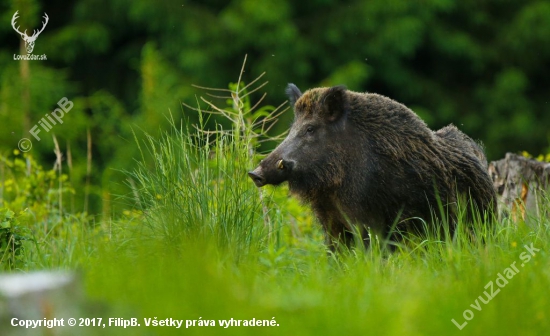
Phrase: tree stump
(522, 187)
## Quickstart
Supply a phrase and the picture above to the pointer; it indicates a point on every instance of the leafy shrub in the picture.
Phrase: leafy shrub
(34, 220)
(12, 234)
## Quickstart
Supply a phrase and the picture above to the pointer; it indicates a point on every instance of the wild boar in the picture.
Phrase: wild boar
(363, 161)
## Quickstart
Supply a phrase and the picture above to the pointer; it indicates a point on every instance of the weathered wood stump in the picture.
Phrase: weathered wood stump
(522, 186)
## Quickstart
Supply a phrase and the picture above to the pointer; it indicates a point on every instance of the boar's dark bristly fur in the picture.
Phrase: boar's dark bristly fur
(362, 160)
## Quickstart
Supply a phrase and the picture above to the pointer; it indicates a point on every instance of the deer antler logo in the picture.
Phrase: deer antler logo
(29, 40)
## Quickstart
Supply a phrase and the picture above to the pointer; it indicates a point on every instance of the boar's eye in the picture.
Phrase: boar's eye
(310, 130)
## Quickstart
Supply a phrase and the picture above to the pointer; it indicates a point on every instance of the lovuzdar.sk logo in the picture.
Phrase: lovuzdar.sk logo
(29, 40)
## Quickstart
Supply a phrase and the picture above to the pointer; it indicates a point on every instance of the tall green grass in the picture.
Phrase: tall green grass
(194, 187)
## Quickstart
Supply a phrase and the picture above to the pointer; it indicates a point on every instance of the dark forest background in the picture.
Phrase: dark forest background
(481, 65)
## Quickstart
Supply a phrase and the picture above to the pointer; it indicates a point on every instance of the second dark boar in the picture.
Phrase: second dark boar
(364, 161)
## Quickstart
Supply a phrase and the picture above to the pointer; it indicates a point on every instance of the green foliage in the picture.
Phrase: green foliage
(26, 186)
(38, 225)
(11, 238)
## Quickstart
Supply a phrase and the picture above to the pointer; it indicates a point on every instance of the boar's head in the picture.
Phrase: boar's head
(313, 154)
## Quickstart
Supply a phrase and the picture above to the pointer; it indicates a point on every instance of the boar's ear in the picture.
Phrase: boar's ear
(334, 102)
(293, 93)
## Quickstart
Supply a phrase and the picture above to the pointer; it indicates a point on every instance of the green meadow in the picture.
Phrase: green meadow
(199, 243)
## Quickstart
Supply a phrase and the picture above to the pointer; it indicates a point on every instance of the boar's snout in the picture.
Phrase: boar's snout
(271, 172)
(257, 177)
